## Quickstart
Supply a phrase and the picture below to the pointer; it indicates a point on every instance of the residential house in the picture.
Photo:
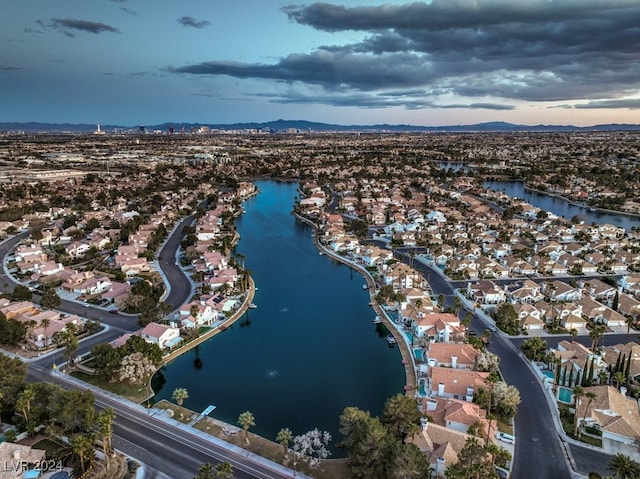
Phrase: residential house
(456, 383)
(612, 413)
(453, 355)
(486, 292)
(161, 334)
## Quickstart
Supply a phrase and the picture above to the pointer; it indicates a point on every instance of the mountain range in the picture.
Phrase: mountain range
(308, 126)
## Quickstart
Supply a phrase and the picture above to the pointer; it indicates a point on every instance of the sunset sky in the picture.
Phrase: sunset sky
(445, 62)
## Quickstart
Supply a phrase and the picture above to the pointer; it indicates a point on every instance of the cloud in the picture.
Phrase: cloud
(192, 22)
(129, 11)
(538, 50)
(68, 25)
(9, 68)
(629, 103)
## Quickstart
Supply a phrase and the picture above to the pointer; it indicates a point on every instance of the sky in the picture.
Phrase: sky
(444, 62)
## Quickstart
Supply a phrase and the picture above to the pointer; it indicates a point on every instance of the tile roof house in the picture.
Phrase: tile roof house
(441, 445)
(161, 334)
(456, 383)
(613, 413)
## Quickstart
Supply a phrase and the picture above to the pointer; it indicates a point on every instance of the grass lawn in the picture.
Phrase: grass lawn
(505, 427)
(134, 392)
(328, 469)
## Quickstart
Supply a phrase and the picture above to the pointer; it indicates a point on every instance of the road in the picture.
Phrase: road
(167, 449)
(160, 444)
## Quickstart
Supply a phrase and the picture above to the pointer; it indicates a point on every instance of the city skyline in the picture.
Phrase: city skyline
(363, 62)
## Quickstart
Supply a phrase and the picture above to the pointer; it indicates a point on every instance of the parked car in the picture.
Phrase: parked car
(504, 437)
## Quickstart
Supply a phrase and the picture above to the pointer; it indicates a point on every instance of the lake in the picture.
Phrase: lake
(309, 350)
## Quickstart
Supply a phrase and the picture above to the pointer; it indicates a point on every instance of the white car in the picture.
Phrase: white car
(504, 437)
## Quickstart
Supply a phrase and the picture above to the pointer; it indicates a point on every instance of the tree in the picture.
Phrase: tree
(487, 362)
(135, 368)
(13, 375)
(45, 323)
(590, 396)
(179, 395)
(407, 461)
(534, 348)
(473, 463)
(366, 441)
(105, 422)
(205, 471)
(284, 437)
(69, 340)
(619, 378)
(50, 298)
(224, 470)
(506, 318)
(106, 360)
(23, 404)
(578, 392)
(401, 416)
(82, 447)
(595, 334)
(312, 446)
(623, 467)
(72, 412)
(506, 399)
(21, 293)
(246, 420)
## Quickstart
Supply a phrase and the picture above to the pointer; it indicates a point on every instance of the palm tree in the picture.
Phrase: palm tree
(631, 321)
(205, 471)
(246, 420)
(284, 437)
(224, 470)
(179, 395)
(105, 420)
(573, 332)
(492, 379)
(82, 446)
(595, 334)
(619, 378)
(45, 323)
(578, 392)
(590, 396)
(623, 467)
(23, 403)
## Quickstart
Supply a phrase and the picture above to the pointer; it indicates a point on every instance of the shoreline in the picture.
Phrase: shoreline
(411, 381)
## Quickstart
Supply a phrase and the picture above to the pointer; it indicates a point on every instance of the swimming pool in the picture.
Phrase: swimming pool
(549, 374)
(422, 391)
(419, 354)
(409, 337)
(565, 394)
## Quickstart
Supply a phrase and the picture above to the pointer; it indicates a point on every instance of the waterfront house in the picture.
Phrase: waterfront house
(453, 355)
(438, 327)
(161, 334)
(456, 383)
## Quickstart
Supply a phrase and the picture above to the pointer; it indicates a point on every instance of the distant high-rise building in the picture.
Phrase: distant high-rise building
(171, 130)
(143, 130)
(98, 130)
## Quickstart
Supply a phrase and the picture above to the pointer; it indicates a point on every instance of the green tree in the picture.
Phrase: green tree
(401, 416)
(506, 318)
(21, 293)
(72, 412)
(224, 470)
(50, 298)
(179, 395)
(578, 392)
(105, 423)
(623, 467)
(106, 360)
(284, 438)
(534, 348)
(473, 463)
(590, 396)
(205, 471)
(82, 447)
(246, 420)
(13, 376)
(366, 441)
(45, 323)
(70, 343)
(23, 404)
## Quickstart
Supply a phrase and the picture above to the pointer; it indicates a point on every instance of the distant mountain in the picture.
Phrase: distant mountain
(306, 126)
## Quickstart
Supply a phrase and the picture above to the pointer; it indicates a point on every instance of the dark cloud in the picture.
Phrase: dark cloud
(32, 30)
(68, 25)
(8, 68)
(129, 11)
(631, 104)
(539, 50)
(192, 22)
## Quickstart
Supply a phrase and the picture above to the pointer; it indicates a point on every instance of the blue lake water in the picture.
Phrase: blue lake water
(561, 207)
(310, 348)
